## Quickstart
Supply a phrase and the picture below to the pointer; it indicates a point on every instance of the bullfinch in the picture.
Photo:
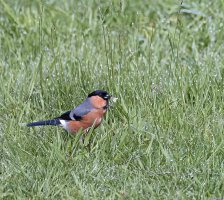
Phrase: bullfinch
(86, 115)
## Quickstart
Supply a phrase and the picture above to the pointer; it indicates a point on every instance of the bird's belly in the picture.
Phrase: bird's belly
(91, 119)
(75, 126)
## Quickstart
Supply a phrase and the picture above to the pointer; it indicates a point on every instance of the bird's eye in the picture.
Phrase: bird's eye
(106, 96)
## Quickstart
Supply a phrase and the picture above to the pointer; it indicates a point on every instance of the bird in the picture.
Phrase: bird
(88, 114)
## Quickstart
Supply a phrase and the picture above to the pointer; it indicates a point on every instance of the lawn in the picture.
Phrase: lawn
(163, 60)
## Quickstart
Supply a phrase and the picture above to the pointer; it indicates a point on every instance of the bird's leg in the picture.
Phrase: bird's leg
(82, 139)
(86, 138)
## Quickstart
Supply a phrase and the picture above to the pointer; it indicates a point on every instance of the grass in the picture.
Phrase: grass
(163, 139)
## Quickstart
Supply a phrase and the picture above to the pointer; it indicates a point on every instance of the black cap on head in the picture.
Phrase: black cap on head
(101, 93)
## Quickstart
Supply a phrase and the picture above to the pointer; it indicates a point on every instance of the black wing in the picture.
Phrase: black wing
(70, 116)
(78, 112)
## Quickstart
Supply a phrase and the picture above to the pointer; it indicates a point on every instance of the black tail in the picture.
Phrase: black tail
(53, 122)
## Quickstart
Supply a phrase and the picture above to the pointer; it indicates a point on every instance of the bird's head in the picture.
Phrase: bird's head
(101, 93)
